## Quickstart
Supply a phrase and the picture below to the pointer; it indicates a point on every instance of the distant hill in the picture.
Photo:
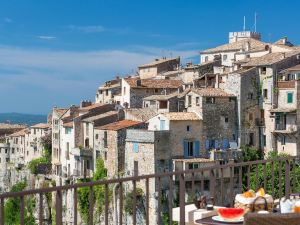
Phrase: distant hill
(21, 118)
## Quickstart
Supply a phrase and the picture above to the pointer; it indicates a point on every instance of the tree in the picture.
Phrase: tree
(251, 154)
(294, 172)
(12, 207)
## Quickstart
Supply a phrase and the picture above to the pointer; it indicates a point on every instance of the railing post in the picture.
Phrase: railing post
(58, 207)
(182, 199)
(287, 179)
(2, 212)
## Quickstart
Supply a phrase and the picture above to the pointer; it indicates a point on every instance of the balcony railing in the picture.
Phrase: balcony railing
(265, 173)
(286, 84)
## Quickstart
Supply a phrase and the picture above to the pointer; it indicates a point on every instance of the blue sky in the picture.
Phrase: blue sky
(58, 52)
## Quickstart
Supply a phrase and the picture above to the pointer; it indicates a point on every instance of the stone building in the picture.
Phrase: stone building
(135, 89)
(109, 144)
(153, 69)
(34, 146)
(164, 103)
(7, 129)
(285, 113)
(217, 110)
(4, 161)
(139, 114)
(107, 92)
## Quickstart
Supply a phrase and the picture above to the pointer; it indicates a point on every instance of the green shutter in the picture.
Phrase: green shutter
(290, 97)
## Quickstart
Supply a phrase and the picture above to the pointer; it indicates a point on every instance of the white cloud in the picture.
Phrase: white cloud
(88, 29)
(46, 37)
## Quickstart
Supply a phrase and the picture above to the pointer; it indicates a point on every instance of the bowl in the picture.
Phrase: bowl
(231, 214)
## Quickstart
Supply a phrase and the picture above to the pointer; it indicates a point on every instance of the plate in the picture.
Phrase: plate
(220, 219)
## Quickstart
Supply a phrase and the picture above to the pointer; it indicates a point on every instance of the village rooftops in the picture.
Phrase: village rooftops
(159, 61)
(122, 124)
(59, 111)
(161, 97)
(141, 114)
(90, 107)
(237, 46)
(194, 160)
(11, 126)
(150, 83)
(68, 124)
(269, 59)
(100, 116)
(211, 92)
(41, 126)
(181, 116)
(19, 133)
(294, 68)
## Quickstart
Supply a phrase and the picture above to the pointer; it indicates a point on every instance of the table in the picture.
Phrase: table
(210, 221)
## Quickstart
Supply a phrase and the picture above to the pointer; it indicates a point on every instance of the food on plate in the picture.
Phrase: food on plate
(249, 194)
(231, 214)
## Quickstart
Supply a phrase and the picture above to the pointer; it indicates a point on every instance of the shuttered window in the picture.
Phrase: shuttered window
(290, 97)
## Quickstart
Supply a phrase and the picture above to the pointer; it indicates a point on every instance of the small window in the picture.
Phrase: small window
(250, 95)
(96, 136)
(105, 139)
(265, 93)
(263, 70)
(290, 97)
(106, 92)
(135, 147)
(197, 101)
(264, 140)
(226, 119)
(224, 57)
(189, 100)
(190, 149)
(283, 140)
(188, 128)
(124, 90)
(155, 90)
(250, 116)
(210, 100)
(206, 59)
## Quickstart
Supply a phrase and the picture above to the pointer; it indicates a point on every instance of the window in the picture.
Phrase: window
(96, 136)
(163, 104)
(283, 140)
(124, 90)
(290, 97)
(263, 70)
(105, 139)
(206, 59)
(162, 124)
(135, 147)
(155, 90)
(68, 130)
(251, 139)
(224, 57)
(189, 100)
(34, 131)
(264, 140)
(197, 101)
(250, 95)
(106, 92)
(188, 128)
(265, 93)
(190, 149)
(210, 100)
(226, 119)
(152, 102)
(250, 116)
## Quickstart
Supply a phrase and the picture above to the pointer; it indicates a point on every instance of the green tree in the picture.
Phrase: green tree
(251, 154)
(12, 207)
(294, 172)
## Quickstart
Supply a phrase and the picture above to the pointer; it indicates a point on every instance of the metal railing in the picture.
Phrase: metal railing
(222, 182)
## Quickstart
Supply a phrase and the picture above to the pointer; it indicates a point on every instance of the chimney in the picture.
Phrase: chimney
(85, 103)
(247, 46)
(283, 55)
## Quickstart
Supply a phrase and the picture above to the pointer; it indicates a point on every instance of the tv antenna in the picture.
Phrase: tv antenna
(255, 20)
(244, 27)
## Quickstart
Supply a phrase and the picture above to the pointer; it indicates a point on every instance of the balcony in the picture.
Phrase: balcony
(286, 84)
(82, 152)
(155, 203)
(285, 128)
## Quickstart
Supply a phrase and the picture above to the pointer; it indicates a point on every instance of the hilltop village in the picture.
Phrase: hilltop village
(166, 117)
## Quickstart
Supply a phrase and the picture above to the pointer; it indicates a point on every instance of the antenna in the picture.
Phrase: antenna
(244, 28)
(255, 15)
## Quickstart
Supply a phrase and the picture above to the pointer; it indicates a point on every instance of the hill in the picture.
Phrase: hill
(20, 118)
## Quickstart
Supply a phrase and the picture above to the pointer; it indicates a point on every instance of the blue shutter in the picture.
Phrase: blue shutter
(216, 144)
(196, 149)
(206, 144)
(185, 149)
(225, 143)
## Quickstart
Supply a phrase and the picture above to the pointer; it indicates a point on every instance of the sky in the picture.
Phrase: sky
(58, 52)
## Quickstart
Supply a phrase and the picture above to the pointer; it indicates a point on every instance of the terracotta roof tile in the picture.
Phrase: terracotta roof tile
(150, 83)
(158, 61)
(119, 125)
(212, 92)
(161, 97)
(19, 133)
(294, 68)
(141, 114)
(238, 45)
(180, 116)
(41, 126)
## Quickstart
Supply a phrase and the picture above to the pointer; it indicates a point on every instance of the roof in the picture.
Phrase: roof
(100, 116)
(284, 110)
(211, 92)
(159, 61)
(41, 126)
(93, 106)
(19, 133)
(11, 126)
(141, 114)
(150, 83)
(119, 125)
(294, 68)
(238, 45)
(109, 86)
(60, 111)
(69, 124)
(270, 58)
(160, 97)
(180, 116)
